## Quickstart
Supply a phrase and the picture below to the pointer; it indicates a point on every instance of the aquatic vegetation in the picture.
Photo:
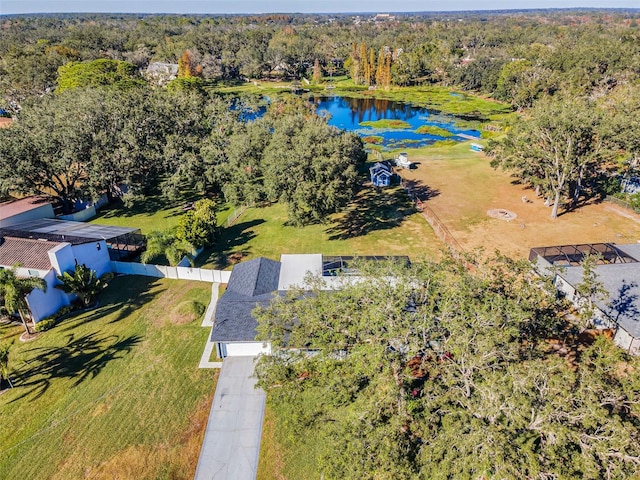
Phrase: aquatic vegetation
(433, 130)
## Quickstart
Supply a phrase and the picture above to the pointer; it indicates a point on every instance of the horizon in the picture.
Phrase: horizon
(257, 7)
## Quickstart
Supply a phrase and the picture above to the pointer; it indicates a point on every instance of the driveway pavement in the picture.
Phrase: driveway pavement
(232, 438)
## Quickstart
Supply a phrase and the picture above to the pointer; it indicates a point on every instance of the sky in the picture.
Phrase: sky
(291, 6)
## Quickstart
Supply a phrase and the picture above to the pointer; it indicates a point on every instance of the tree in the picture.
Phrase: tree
(311, 166)
(199, 226)
(165, 243)
(101, 72)
(4, 365)
(557, 147)
(590, 290)
(434, 371)
(317, 71)
(83, 282)
(14, 290)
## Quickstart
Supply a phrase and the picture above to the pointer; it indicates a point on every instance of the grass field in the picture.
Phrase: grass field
(152, 213)
(112, 393)
(378, 222)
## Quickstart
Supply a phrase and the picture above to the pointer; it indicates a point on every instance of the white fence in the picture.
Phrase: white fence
(180, 273)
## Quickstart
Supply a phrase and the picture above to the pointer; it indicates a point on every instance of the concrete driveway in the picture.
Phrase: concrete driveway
(232, 438)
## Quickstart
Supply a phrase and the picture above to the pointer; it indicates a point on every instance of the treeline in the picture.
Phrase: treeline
(83, 142)
(514, 57)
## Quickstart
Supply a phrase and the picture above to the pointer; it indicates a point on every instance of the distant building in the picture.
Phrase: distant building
(161, 73)
(619, 273)
(380, 174)
(25, 209)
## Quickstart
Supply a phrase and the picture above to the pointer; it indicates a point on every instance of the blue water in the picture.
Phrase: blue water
(348, 113)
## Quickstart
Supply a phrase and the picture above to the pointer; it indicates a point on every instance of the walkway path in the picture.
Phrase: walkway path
(232, 438)
(207, 321)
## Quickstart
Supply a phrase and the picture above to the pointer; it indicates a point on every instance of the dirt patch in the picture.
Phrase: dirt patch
(501, 214)
(467, 187)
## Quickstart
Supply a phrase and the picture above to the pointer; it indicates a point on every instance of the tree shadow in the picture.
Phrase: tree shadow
(624, 305)
(124, 295)
(418, 190)
(374, 209)
(79, 359)
(237, 235)
(148, 206)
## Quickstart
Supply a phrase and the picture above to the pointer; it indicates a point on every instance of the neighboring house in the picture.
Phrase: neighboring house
(47, 258)
(122, 242)
(619, 273)
(25, 209)
(256, 282)
(380, 175)
(161, 73)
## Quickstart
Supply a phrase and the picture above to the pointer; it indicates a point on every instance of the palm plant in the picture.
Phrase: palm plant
(4, 364)
(165, 243)
(14, 290)
(83, 282)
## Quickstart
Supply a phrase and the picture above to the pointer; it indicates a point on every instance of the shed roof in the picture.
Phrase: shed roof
(15, 207)
(27, 252)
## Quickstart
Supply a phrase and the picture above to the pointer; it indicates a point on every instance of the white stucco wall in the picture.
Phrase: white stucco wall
(43, 304)
(93, 258)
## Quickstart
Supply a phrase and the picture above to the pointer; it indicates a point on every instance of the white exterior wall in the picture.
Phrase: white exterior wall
(43, 211)
(88, 254)
(43, 304)
(243, 349)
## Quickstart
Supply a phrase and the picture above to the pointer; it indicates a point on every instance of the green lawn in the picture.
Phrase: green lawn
(152, 213)
(378, 222)
(113, 393)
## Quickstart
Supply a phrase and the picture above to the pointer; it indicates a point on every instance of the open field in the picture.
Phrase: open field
(152, 213)
(378, 222)
(461, 187)
(112, 393)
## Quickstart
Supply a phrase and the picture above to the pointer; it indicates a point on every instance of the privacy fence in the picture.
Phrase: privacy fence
(179, 272)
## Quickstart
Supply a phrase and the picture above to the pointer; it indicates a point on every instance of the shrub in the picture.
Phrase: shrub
(45, 324)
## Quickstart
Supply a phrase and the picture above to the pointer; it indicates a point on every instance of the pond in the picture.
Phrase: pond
(389, 124)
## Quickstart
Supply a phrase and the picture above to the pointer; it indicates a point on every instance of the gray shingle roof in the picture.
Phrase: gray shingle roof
(255, 277)
(234, 322)
(251, 284)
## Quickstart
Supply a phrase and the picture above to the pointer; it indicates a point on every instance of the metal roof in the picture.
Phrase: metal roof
(64, 228)
(622, 282)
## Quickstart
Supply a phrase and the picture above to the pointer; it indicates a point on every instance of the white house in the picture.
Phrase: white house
(256, 282)
(46, 259)
(619, 273)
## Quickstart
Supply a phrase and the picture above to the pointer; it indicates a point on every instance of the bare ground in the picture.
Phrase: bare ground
(463, 189)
